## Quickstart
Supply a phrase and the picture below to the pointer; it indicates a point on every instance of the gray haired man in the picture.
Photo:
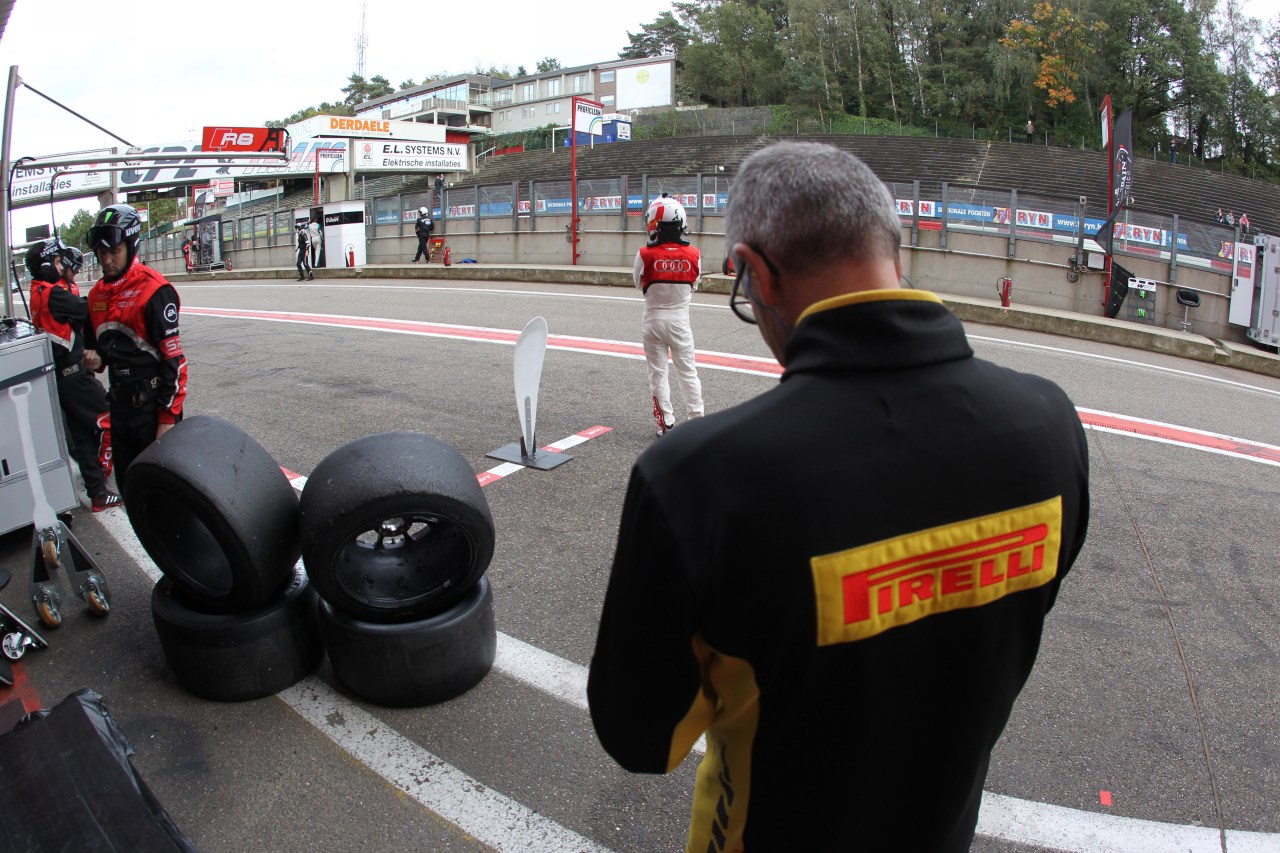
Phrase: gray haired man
(838, 582)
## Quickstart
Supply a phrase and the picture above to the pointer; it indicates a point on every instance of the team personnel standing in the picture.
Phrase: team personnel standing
(58, 310)
(843, 581)
(303, 239)
(316, 234)
(423, 228)
(666, 271)
(133, 326)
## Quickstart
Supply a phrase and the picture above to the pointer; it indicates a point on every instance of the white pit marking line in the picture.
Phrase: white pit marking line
(506, 825)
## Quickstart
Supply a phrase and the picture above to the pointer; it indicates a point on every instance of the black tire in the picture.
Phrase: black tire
(216, 514)
(394, 527)
(234, 657)
(412, 664)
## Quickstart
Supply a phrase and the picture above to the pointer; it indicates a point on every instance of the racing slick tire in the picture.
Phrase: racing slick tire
(234, 657)
(412, 664)
(215, 513)
(394, 527)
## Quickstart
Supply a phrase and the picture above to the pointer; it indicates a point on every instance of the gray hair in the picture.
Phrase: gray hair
(807, 204)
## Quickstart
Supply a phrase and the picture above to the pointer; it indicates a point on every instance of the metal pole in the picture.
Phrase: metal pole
(14, 80)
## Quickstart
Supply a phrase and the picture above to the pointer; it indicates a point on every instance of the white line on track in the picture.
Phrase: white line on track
(724, 307)
(507, 825)
(471, 805)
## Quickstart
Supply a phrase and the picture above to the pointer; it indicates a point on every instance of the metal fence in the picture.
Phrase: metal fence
(946, 208)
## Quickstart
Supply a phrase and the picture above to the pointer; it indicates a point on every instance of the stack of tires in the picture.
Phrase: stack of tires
(235, 613)
(396, 536)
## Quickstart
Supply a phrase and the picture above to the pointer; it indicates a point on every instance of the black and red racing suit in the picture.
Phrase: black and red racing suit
(133, 325)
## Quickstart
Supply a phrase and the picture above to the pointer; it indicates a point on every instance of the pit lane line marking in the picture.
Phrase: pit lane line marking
(469, 804)
(721, 307)
(1110, 422)
(507, 825)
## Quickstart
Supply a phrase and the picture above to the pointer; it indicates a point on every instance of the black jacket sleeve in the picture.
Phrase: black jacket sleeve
(67, 308)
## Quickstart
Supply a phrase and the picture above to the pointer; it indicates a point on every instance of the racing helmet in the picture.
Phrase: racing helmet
(665, 220)
(116, 224)
(72, 261)
(40, 259)
(422, 211)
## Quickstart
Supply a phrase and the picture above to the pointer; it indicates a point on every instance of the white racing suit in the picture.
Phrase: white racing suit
(666, 274)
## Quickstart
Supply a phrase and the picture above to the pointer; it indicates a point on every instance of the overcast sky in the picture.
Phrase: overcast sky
(158, 73)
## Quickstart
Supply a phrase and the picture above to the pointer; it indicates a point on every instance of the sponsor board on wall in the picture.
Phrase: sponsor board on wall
(31, 186)
(346, 127)
(906, 207)
(382, 155)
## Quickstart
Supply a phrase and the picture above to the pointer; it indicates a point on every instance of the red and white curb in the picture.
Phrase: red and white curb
(1109, 422)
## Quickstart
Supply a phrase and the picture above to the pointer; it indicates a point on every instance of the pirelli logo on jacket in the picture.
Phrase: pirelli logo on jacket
(867, 590)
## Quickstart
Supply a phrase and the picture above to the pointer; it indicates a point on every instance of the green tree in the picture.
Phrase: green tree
(664, 36)
(548, 64)
(76, 232)
(358, 90)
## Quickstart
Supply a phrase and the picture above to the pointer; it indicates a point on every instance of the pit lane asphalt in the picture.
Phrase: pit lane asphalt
(1159, 674)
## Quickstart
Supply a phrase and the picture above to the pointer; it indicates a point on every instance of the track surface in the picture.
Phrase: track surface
(1148, 724)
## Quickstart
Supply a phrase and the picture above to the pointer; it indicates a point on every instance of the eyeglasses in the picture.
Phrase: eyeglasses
(740, 296)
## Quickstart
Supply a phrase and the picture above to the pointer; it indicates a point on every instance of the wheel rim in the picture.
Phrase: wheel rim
(13, 648)
(403, 559)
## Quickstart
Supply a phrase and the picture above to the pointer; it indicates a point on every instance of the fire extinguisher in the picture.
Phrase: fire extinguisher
(447, 261)
(351, 255)
(1004, 289)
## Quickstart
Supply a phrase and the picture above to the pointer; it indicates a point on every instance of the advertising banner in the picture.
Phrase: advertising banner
(588, 117)
(243, 139)
(380, 155)
(31, 186)
(166, 173)
(346, 127)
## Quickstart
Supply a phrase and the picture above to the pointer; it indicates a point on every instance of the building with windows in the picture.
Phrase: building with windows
(472, 104)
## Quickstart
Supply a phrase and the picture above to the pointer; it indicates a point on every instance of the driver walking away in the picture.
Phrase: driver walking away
(133, 326)
(423, 228)
(303, 240)
(843, 581)
(58, 310)
(666, 271)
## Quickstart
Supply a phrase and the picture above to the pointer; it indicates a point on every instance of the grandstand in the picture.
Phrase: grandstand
(1193, 193)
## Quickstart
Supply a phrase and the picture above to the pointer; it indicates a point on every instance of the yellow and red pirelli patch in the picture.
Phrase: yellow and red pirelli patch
(867, 590)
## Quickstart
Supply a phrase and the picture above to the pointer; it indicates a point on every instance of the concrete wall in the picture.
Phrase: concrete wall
(968, 267)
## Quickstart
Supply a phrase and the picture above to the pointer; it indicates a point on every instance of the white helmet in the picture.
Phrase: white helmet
(422, 211)
(665, 219)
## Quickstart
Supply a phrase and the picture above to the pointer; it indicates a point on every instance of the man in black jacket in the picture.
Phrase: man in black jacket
(302, 238)
(58, 310)
(843, 581)
(423, 228)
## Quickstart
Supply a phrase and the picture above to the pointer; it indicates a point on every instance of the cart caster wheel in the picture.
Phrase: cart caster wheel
(13, 646)
(96, 595)
(47, 601)
(49, 550)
